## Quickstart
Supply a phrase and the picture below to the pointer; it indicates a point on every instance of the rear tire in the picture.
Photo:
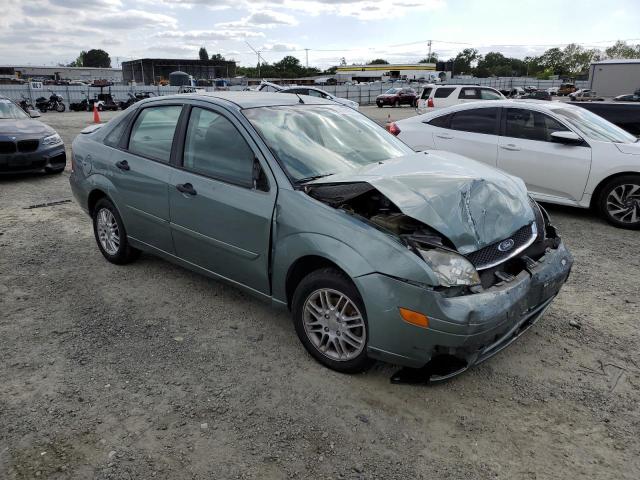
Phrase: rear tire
(111, 235)
(396, 104)
(619, 202)
(331, 322)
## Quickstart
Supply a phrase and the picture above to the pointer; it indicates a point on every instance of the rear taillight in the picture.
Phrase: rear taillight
(430, 103)
(394, 129)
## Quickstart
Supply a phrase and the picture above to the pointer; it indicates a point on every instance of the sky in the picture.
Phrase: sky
(46, 32)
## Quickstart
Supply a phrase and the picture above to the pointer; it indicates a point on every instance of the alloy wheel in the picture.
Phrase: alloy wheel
(623, 203)
(108, 231)
(334, 325)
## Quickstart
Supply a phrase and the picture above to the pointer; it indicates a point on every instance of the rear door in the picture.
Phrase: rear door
(471, 132)
(443, 97)
(222, 199)
(468, 94)
(141, 173)
(548, 168)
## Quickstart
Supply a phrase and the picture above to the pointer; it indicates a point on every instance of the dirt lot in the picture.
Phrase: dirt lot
(151, 371)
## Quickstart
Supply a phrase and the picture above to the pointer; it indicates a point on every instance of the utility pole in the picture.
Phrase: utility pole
(429, 56)
(257, 53)
(307, 52)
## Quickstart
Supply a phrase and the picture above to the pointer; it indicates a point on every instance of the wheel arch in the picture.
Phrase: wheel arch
(301, 268)
(94, 196)
(598, 190)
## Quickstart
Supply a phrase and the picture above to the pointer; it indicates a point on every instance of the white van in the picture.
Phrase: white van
(439, 96)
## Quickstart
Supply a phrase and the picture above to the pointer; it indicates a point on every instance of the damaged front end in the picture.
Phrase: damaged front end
(457, 273)
(484, 299)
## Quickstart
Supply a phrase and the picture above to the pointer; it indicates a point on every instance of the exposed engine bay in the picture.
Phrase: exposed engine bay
(364, 201)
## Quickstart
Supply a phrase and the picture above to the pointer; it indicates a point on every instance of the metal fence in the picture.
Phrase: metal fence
(363, 94)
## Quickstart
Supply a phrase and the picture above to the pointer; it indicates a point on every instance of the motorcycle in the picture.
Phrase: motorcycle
(55, 102)
(25, 104)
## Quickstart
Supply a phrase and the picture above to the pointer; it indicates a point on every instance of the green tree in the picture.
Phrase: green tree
(378, 61)
(218, 57)
(465, 59)
(430, 59)
(78, 62)
(203, 54)
(96, 58)
(622, 49)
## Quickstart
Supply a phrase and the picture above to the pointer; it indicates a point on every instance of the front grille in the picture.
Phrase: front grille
(7, 147)
(490, 255)
(26, 146)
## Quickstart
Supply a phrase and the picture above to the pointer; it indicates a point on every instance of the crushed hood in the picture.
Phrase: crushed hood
(472, 204)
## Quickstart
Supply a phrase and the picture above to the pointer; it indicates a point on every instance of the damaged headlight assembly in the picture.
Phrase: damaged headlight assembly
(52, 140)
(451, 269)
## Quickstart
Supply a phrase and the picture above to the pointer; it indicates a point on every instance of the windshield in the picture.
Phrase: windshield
(317, 140)
(594, 126)
(392, 90)
(10, 111)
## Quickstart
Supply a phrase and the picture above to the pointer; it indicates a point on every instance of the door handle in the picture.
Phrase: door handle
(511, 147)
(123, 165)
(186, 188)
(446, 137)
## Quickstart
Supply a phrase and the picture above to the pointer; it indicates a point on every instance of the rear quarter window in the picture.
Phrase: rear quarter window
(441, 121)
(426, 92)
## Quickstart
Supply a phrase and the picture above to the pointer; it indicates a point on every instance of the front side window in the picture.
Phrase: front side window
(152, 132)
(392, 91)
(215, 148)
(317, 140)
(488, 94)
(477, 120)
(531, 125)
(443, 92)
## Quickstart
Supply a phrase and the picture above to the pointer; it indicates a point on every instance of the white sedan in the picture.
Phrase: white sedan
(564, 153)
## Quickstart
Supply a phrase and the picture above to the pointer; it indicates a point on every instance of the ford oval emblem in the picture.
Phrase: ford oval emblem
(506, 245)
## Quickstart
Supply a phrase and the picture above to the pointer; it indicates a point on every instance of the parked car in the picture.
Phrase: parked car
(26, 144)
(585, 95)
(564, 153)
(553, 90)
(317, 92)
(423, 260)
(625, 115)
(439, 96)
(517, 92)
(631, 97)
(397, 96)
(566, 88)
(538, 95)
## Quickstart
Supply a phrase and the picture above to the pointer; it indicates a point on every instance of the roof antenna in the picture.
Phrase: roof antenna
(299, 98)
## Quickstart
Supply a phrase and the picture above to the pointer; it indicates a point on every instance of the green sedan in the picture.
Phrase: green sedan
(429, 260)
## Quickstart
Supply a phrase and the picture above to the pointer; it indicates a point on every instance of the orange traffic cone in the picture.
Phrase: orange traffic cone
(96, 115)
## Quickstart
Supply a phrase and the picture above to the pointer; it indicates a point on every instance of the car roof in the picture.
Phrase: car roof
(244, 99)
(540, 105)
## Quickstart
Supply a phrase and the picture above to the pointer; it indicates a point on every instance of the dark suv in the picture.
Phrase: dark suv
(398, 96)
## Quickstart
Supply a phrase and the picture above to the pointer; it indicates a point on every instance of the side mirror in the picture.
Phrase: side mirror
(567, 138)
(34, 113)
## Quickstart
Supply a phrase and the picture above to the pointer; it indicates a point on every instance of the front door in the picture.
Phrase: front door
(222, 202)
(141, 175)
(549, 169)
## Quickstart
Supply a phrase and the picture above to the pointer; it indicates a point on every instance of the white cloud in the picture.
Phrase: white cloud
(261, 19)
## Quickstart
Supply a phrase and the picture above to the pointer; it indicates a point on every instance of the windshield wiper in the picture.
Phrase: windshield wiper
(314, 177)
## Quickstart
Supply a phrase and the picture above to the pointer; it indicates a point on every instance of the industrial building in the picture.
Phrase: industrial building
(609, 78)
(153, 71)
(85, 74)
(373, 72)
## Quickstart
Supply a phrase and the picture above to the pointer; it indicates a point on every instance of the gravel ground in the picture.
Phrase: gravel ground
(150, 370)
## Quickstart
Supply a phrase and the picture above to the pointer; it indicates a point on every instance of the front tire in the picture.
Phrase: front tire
(331, 322)
(619, 202)
(111, 235)
(60, 107)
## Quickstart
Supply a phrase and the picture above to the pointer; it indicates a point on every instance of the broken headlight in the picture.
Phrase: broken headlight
(451, 269)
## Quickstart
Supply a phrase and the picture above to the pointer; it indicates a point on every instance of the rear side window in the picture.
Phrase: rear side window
(477, 120)
(531, 125)
(426, 92)
(443, 92)
(152, 132)
(469, 94)
(215, 148)
(441, 121)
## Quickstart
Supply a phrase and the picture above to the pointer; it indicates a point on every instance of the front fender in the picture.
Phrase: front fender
(296, 246)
